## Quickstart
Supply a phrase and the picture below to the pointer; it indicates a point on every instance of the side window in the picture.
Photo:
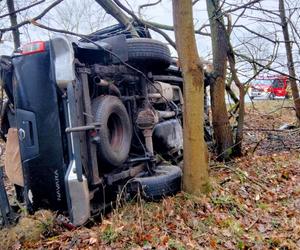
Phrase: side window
(278, 83)
(275, 83)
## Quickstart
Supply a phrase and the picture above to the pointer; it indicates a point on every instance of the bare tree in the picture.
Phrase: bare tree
(220, 120)
(32, 19)
(14, 22)
(290, 60)
(69, 16)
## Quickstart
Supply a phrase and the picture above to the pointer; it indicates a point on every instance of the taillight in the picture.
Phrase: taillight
(34, 47)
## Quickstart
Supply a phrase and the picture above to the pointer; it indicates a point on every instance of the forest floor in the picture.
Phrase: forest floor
(254, 202)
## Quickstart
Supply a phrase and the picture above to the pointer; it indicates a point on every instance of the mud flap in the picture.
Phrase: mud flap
(78, 195)
(77, 191)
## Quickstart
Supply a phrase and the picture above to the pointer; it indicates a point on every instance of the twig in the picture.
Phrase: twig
(141, 21)
(264, 66)
(256, 146)
(271, 130)
(240, 172)
(147, 5)
(163, 34)
(244, 6)
(22, 9)
(252, 224)
(43, 13)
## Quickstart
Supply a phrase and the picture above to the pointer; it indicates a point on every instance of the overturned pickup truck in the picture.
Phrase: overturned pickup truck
(87, 120)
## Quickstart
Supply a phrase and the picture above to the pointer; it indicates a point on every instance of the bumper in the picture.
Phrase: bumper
(259, 94)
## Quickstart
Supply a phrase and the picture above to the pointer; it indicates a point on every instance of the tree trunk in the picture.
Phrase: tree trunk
(195, 173)
(13, 22)
(231, 93)
(220, 120)
(290, 61)
(237, 148)
(111, 8)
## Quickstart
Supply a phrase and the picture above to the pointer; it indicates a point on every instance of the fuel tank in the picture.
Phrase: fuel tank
(167, 136)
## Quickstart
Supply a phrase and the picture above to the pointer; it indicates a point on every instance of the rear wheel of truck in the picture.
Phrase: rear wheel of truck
(115, 131)
(165, 181)
(149, 53)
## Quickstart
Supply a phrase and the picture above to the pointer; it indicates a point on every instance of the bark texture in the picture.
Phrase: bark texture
(237, 148)
(195, 176)
(220, 119)
(13, 22)
(290, 60)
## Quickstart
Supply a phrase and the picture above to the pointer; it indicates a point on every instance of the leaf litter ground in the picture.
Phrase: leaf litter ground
(254, 203)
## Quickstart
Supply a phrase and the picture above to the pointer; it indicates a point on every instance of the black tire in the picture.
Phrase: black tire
(115, 132)
(165, 181)
(149, 53)
(272, 96)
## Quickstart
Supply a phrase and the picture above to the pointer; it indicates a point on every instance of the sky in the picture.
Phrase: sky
(86, 16)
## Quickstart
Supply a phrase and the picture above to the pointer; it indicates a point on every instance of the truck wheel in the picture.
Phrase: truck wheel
(165, 181)
(146, 52)
(272, 96)
(115, 131)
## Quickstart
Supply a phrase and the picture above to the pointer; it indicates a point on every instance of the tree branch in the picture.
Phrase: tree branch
(141, 21)
(13, 21)
(255, 33)
(111, 8)
(265, 66)
(171, 28)
(128, 11)
(147, 5)
(22, 9)
(163, 34)
(42, 14)
(244, 6)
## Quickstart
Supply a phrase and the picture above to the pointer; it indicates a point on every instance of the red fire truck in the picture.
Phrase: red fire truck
(269, 87)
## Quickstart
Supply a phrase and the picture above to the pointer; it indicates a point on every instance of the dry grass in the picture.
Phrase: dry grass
(254, 204)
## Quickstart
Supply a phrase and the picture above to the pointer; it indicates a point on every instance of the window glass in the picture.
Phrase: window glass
(265, 82)
(277, 83)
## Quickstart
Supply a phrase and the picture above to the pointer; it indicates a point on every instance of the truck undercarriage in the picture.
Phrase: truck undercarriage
(94, 119)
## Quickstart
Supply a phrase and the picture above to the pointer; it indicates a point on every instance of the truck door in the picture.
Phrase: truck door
(278, 87)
